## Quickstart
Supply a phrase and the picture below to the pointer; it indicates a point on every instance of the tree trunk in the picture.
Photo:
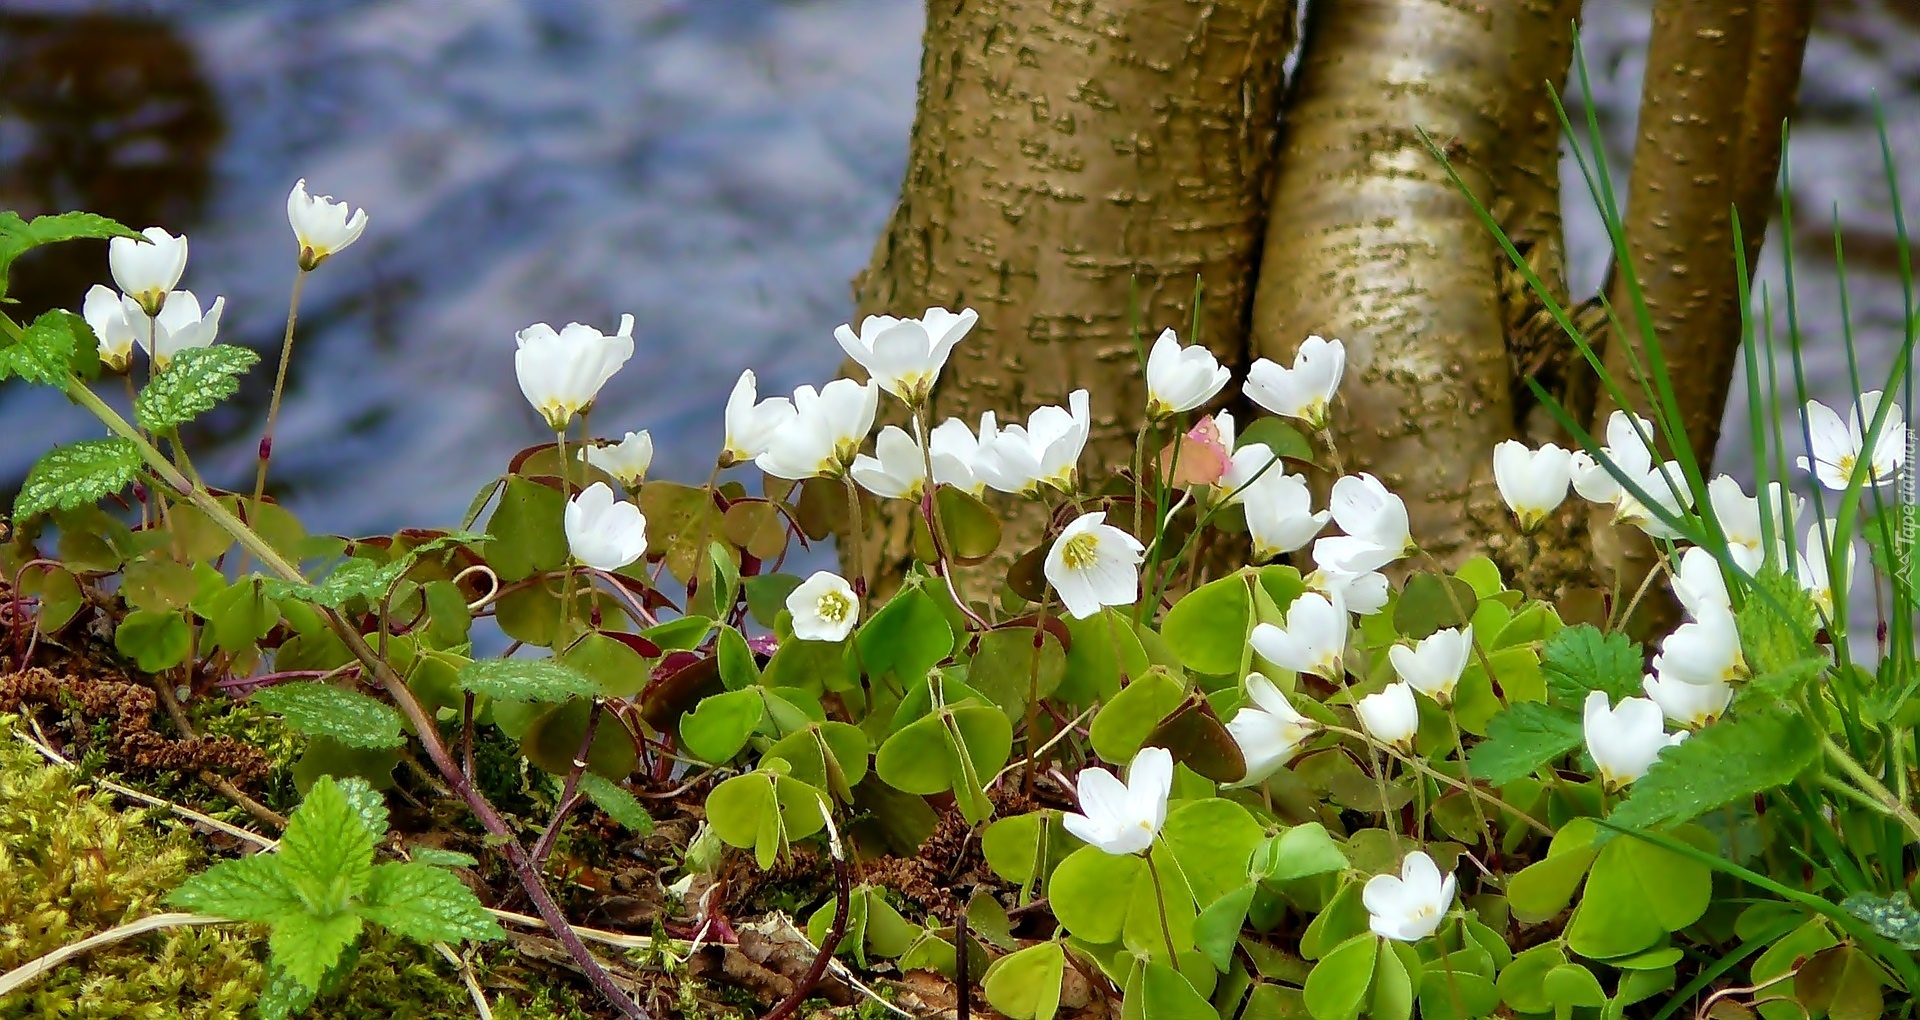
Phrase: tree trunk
(1061, 152)
(1370, 242)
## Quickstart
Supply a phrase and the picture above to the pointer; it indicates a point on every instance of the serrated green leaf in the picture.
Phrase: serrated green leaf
(246, 889)
(1576, 660)
(326, 854)
(308, 945)
(442, 858)
(18, 236)
(194, 382)
(76, 475)
(367, 802)
(1777, 624)
(1521, 739)
(621, 806)
(357, 578)
(542, 680)
(52, 347)
(318, 709)
(1728, 761)
(283, 995)
(426, 904)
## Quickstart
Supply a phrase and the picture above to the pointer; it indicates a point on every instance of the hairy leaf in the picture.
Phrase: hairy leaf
(1891, 916)
(543, 680)
(52, 346)
(318, 709)
(193, 383)
(426, 904)
(76, 475)
(1523, 738)
(357, 578)
(308, 945)
(621, 806)
(1580, 659)
(326, 854)
(1728, 761)
(18, 236)
(245, 889)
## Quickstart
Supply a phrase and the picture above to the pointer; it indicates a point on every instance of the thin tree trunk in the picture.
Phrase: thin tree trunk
(1721, 76)
(1061, 152)
(1370, 242)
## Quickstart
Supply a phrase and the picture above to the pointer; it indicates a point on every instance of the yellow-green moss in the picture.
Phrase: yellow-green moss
(74, 864)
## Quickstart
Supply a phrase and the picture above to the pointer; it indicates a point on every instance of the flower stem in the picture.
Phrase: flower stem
(279, 387)
(1160, 900)
(1033, 690)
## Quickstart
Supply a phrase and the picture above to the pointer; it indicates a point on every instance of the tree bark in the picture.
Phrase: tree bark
(1370, 242)
(1061, 152)
(1721, 76)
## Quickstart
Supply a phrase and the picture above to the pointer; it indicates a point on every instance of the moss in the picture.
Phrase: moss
(73, 864)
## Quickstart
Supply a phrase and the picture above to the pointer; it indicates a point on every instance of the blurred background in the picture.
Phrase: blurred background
(718, 168)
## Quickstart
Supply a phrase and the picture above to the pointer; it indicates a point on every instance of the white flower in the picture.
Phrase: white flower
(751, 426)
(321, 225)
(1624, 741)
(1410, 907)
(1269, 731)
(1705, 651)
(1699, 584)
(1247, 466)
(1592, 481)
(1180, 378)
(1124, 819)
(1303, 391)
(824, 608)
(1094, 564)
(1279, 510)
(627, 460)
(1811, 568)
(1363, 593)
(147, 271)
(1313, 641)
(1739, 516)
(561, 372)
(1045, 452)
(180, 326)
(1390, 715)
(955, 448)
(1668, 488)
(1837, 446)
(900, 470)
(602, 532)
(1375, 522)
(825, 433)
(1434, 665)
(1532, 482)
(1689, 705)
(904, 356)
(117, 323)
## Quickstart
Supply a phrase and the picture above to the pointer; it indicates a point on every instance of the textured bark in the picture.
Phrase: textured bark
(1721, 76)
(1061, 151)
(1370, 242)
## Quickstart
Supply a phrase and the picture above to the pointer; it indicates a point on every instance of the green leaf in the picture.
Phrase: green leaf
(1300, 852)
(542, 680)
(76, 475)
(1123, 723)
(244, 889)
(907, 637)
(155, 640)
(1543, 889)
(1637, 893)
(1891, 916)
(621, 806)
(1431, 602)
(367, 802)
(1207, 628)
(1728, 761)
(426, 904)
(1167, 995)
(194, 382)
(1026, 985)
(1521, 739)
(1580, 659)
(1338, 984)
(1777, 624)
(1217, 930)
(1522, 983)
(442, 858)
(361, 578)
(318, 709)
(326, 854)
(52, 347)
(1276, 435)
(308, 945)
(240, 615)
(18, 236)
(283, 995)
(1091, 890)
(719, 726)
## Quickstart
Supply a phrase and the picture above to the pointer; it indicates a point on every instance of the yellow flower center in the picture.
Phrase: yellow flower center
(1081, 552)
(834, 606)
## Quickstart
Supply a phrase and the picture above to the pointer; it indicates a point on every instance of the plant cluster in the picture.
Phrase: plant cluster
(1367, 784)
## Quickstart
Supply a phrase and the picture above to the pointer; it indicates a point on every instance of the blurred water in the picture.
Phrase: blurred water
(719, 168)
